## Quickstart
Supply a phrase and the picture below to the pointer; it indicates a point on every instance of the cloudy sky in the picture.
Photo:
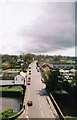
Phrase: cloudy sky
(37, 27)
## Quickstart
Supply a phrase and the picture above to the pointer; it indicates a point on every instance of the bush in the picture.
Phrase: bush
(7, 113)
(12, 89)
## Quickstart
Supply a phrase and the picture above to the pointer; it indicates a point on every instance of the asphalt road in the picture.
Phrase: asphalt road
(37, 93)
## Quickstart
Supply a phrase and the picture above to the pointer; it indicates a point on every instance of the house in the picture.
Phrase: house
(19, 79)
(23, 74)
(64, 72)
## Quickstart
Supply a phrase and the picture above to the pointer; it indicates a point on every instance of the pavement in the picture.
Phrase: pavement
(42, 105)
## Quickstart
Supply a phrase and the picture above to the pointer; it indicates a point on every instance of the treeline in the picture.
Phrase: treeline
(14, 61)
(56, 59)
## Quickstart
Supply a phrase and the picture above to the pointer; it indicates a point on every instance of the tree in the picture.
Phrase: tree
(10, 59)
(28, 58)
(52, 81)
(67, 86)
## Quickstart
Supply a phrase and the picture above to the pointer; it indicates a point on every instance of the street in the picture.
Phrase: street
(37, 93)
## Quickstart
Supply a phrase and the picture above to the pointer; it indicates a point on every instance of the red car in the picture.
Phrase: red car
(29, 103)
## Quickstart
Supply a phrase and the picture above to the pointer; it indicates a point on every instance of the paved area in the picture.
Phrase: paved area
(37, 93)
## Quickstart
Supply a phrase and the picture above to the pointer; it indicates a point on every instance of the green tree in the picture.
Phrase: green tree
(52, 81)
(28, 58)
(66, 86)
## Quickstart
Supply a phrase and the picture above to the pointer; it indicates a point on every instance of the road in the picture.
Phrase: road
(37, 93)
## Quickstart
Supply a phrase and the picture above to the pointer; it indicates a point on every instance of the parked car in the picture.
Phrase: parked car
(28, 83)
(29, 67)
(29, 103)
(43, 81)
(28, 80)
(37, 70)
(29, 73)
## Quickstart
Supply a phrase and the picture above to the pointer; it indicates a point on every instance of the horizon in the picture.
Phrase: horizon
(35, 55)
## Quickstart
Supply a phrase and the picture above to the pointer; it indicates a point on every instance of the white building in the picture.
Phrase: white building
(23, 74)
(19, 79)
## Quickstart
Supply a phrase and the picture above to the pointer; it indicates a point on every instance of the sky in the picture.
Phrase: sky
(39, 27)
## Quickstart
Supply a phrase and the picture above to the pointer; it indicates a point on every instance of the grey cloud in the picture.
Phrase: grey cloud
(53, 29)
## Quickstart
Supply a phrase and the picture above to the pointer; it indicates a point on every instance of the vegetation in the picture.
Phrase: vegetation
(55, 82)
(12, 89)
(22, 61)
(55, 59)
(70, 118)
(52, 80)
(7, 113)
(16, 62)
(10, 111)
(61, 88)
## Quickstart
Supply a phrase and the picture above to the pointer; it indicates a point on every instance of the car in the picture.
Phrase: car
(42, 80)
(29, 103)
(12, 81)
(28, 83)
(29, 67)
(29, 73)
(37, 70)
(28, 80)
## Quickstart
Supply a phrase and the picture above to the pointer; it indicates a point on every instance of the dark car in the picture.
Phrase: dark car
(29, 103)
(28, 83)
(43, 81)
(29, 73)
(29, 67)
(29, 78)
(37, 70)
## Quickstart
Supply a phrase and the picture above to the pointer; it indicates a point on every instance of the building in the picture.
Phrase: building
(19, 79)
